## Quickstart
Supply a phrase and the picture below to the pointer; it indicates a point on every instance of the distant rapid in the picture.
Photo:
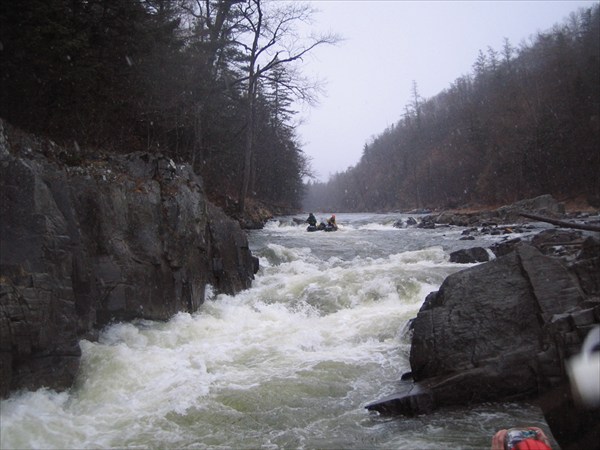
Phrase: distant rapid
(288, 364)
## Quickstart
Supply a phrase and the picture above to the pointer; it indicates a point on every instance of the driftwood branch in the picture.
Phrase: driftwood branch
(562, 223)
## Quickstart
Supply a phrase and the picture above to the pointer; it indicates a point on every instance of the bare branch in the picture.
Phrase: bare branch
(275, 47)
(562, 223)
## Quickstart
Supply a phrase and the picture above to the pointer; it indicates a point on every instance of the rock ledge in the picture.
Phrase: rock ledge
(117, 238)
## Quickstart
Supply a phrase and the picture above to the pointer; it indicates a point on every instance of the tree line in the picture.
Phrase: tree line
(524, 122)
(208, 82)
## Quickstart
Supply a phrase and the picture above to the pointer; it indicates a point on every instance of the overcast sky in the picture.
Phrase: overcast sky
(390, 43)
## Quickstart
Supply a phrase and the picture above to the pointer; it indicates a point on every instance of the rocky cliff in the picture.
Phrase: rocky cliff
(112, 239)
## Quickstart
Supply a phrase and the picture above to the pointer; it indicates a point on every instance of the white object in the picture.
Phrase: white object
(584, 371)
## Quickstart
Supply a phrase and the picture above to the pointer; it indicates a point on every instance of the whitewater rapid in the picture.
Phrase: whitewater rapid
(289, 363)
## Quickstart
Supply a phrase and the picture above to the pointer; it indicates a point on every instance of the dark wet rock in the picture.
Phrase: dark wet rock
(590, 248)
(504, 247)
(470, 255)
(406, 376)
(120, 238)
(411, 222)
(411, 400)
(504, 330)
(467, 311)
(431, 301)
(555, 237)
(399, 224)
(586, 268)
(427, 222)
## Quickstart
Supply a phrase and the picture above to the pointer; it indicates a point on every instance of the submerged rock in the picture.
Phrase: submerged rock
(411, 400)
(121, 238)
(470, 255)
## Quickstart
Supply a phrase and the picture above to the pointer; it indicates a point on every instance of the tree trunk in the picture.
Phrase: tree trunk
(562, 223)
(248, 147)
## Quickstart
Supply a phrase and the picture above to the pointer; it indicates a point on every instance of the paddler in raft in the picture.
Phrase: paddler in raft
(312, 222)
(331, 225)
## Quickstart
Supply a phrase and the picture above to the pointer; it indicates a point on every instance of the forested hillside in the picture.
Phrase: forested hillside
(524, 122)
(207, 82)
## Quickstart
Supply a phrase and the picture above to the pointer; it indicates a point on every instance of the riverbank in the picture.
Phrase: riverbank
(544, 205)
(506, 329)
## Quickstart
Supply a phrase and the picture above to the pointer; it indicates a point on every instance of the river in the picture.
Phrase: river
(288, 364)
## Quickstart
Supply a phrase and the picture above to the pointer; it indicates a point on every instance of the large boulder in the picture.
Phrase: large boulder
(119, 238)
(505, 330)
(489, 335)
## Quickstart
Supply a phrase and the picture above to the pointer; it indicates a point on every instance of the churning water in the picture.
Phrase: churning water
(288, 364)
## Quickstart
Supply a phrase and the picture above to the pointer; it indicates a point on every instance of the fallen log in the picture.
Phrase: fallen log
(562, 223)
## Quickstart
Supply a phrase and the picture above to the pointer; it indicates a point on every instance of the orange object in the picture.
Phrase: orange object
(531, 444)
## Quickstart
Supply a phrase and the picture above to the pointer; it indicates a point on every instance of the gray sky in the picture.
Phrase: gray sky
(390, 43)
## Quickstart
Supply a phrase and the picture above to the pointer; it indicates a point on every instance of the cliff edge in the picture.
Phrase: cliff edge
(116, 238)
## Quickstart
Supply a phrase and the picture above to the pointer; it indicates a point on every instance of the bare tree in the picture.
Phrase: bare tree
(211, 27)
(272, 45)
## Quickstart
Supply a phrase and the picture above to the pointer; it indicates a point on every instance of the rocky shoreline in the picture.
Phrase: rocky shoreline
(505, 329)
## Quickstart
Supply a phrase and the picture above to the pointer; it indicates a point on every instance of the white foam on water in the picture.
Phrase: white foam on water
(303, 319)
(374, 226)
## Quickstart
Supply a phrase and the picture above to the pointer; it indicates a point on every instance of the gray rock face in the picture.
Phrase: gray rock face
(500, 320)
(118, 239)
(452, 340)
